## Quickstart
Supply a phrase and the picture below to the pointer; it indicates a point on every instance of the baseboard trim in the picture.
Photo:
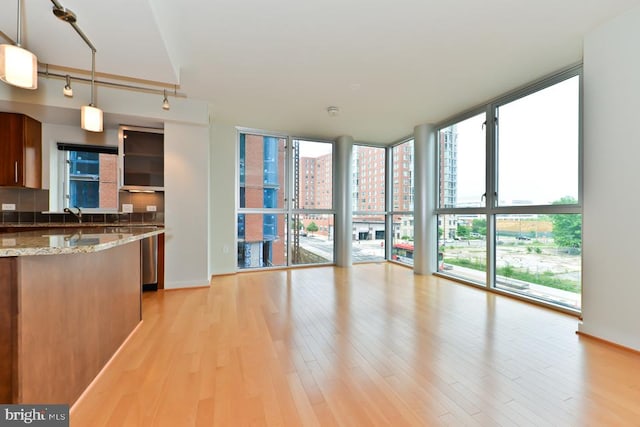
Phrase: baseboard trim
(187, 284)
(233, 273)
(607, 342)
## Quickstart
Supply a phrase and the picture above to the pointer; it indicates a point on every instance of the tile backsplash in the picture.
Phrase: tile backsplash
(30, 203)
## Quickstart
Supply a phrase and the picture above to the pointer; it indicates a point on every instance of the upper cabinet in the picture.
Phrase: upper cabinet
(141, 158)
(20, 151)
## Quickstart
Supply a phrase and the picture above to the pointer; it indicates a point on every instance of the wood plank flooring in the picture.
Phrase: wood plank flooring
(373, 345)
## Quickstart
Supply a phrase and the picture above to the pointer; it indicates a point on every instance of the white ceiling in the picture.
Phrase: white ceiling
(387, 64)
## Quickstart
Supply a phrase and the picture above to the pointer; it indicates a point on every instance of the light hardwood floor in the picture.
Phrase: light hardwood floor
(373, 345)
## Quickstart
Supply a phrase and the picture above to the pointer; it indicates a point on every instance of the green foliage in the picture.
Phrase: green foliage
(440, 232)
(507, 271)
(464, 262)
(546, 278)
(538, 251)
(479, 226)
(405, 238)
(463, 231)
(312, 227)
(567, 228)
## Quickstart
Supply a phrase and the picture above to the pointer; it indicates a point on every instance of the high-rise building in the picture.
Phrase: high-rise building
(448, 197)
(369, 179)
(402, 191)
(402, 179)
(315, 191)
(448, 140)
(261, 240)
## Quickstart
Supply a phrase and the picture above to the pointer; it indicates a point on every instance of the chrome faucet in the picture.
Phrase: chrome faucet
(78, 215)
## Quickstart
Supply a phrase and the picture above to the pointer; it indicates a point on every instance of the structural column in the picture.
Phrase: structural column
(425, 257)
(343, 202)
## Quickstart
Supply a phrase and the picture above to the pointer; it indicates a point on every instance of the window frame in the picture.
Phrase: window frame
(384, 213)
(288, 209)
(390, 195)
(492, 209)
(64, 150)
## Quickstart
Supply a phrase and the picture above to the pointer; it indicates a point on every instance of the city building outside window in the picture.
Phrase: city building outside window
(89, 177)
(281, 224)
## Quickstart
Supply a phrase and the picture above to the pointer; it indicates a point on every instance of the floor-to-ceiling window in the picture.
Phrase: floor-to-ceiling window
(462, 218)
(401, 204)
(523, 235)
(262, 231)
(312, 211)
(285, 201)
(368, 203)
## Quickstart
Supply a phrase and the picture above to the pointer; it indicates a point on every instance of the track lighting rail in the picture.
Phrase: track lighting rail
(173, 92)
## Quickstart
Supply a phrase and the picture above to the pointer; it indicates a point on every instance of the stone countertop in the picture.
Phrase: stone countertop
(78, 225)
(67, 240)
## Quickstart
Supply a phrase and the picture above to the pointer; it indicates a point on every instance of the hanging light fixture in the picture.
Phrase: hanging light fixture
(18, 66)
(165, 102)
(67, 90)
(90, 115)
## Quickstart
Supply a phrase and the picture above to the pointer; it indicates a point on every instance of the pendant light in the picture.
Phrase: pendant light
(90, 115)
(18, 66)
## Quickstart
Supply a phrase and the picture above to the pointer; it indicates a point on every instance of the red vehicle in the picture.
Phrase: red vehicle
(402, 252)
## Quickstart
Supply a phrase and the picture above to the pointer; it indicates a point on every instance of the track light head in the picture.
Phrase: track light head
(165, 102)
(68, 90)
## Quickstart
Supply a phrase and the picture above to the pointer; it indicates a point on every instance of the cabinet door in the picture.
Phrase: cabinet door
(32, 155)
(143, 159)
(20, 151)
(11, 132)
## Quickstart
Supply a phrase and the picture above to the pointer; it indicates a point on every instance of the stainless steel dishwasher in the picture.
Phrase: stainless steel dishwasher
(149, 257)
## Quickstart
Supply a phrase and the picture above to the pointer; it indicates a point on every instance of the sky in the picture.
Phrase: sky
(314, 149)
(537, 148)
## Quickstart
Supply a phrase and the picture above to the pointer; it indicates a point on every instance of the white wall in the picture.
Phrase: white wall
(223, 253)
(611, 237)
(186, 182)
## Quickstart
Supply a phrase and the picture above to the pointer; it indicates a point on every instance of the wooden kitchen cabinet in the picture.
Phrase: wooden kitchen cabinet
(20, 151)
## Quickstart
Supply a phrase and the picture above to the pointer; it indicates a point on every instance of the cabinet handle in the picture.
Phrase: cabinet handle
(15, 171)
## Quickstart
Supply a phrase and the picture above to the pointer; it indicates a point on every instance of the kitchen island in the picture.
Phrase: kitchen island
(68, 299)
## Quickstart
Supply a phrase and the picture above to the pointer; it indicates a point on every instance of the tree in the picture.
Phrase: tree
(567, 228)
(463, 231)
(479, 226)
(312, 227)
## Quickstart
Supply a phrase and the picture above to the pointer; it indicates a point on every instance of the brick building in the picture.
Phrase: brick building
(315, 191)
(261, 237)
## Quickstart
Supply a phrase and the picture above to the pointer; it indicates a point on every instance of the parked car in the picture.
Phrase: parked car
(521, 237)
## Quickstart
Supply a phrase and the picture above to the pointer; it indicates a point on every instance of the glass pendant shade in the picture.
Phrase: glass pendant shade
(18, 67)
(91, 118)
